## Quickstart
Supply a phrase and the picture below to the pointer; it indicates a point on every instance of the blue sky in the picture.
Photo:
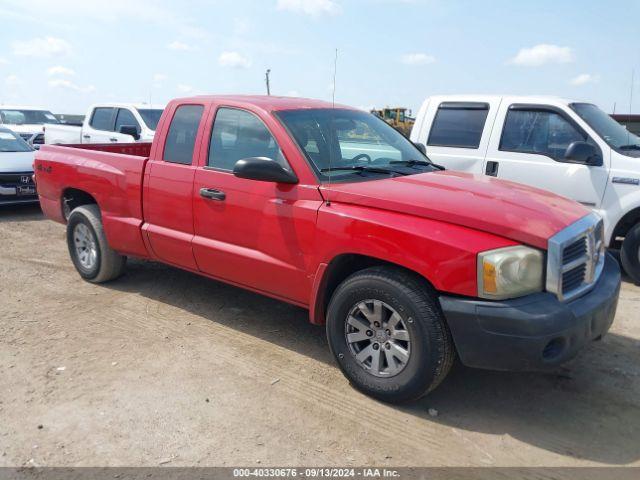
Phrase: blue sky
(65, 54)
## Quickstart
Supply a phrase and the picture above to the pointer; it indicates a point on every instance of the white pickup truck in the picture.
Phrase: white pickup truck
(28, 122)
(109, 123)
(570, 148)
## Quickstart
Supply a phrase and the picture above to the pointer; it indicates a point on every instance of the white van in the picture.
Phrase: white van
(570, 148)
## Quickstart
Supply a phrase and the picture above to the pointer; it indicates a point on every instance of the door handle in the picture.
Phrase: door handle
(212, 194)
(492, 169)
(113, 139)
(86, 136)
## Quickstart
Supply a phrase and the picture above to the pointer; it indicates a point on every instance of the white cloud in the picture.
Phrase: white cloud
(41, 47)
(3, 61)
(69, 85)
(12, 81)
(67, 14)
(182, 88)
(417, 59)
(179, 46)
(542, 54)
(233, 60)
(159, 77)
(314, 8)
(60, 70)
(583, 79)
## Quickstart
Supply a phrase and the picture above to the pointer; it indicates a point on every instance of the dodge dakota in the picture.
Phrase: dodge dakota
(327, 207)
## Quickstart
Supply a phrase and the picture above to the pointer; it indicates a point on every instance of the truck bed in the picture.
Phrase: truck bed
(112, 174)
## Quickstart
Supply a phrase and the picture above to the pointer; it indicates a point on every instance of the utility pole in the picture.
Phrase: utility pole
(266, 77)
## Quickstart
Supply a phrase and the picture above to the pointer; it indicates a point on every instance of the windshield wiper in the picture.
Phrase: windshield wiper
(363, 168)
(633, 146)
(411, 163)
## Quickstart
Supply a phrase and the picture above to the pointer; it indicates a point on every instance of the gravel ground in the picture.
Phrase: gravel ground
(163, 367)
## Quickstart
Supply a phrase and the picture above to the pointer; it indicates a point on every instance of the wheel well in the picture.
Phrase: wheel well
(342, 267)
(624, 225)
(72, 198)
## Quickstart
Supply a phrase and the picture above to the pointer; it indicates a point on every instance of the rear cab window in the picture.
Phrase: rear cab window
(102, 119)
(181, 137)
(458, 125)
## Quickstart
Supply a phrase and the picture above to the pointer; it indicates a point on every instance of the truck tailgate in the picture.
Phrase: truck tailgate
(107, 174)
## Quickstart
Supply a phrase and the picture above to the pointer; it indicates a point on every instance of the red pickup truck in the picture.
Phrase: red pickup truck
(329, 208)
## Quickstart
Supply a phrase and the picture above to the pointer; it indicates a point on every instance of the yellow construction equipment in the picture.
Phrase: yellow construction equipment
(398, 117)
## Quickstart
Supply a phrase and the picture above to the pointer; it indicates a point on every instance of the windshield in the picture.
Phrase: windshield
(616, 136)
(151, 116)
(11, 142)
(27, 117)
(347, 143)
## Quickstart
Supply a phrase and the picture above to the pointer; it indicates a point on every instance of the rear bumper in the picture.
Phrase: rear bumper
(535, 332)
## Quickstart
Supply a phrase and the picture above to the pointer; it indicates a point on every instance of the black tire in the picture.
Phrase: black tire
(431, 352)
(108, 263)
(630, 253)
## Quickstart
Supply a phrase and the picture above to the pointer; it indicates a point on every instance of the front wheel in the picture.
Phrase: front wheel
(388, 334)
(94, 260)
(630, 253)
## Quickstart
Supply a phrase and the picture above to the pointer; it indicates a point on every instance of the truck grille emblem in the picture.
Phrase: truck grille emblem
(25, 179)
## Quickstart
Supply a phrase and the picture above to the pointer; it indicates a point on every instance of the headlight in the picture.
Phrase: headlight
(510, 272)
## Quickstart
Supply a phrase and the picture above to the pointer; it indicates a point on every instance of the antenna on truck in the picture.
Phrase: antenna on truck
(333, 106)
(633, 73)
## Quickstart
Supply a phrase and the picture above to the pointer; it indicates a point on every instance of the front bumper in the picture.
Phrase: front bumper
(535, 332)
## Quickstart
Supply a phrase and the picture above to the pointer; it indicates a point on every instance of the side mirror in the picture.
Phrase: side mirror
(129, 130)
(421, 147)
(263, 169)
(583, 152)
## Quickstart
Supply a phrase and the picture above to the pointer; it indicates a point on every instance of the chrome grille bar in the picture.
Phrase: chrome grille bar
(576, 252)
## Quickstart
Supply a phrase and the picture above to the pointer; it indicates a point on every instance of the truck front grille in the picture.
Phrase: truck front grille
(575, 258)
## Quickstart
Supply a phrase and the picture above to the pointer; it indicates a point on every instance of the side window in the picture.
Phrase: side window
(181, 137)
(102, 118)
(458, 124)
(125, 117)
(238, 134)
(538, 131)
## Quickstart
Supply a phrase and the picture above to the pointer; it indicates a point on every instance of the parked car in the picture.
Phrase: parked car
(570, 148)
(28, 122)
(333, 210)
(16, 169)
(109, 123)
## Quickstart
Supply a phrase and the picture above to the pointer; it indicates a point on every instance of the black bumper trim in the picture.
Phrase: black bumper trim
(535, 332)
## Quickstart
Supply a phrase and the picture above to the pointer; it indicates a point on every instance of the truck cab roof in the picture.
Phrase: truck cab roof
(264, 102)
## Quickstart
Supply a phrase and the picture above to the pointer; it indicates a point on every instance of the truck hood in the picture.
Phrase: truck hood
(15, 162)
(511, 210)
(26, 128)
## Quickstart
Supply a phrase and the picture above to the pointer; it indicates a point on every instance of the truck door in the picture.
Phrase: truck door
(168, 192)
(529, 148)
(99, 128)
(458, 135)
(251, 233)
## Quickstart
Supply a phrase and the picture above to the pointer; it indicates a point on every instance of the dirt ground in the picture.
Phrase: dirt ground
(163, 367)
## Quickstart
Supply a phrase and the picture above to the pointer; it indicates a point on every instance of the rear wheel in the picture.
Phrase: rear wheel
(94, 260)
(388, 334)
(630, 253)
